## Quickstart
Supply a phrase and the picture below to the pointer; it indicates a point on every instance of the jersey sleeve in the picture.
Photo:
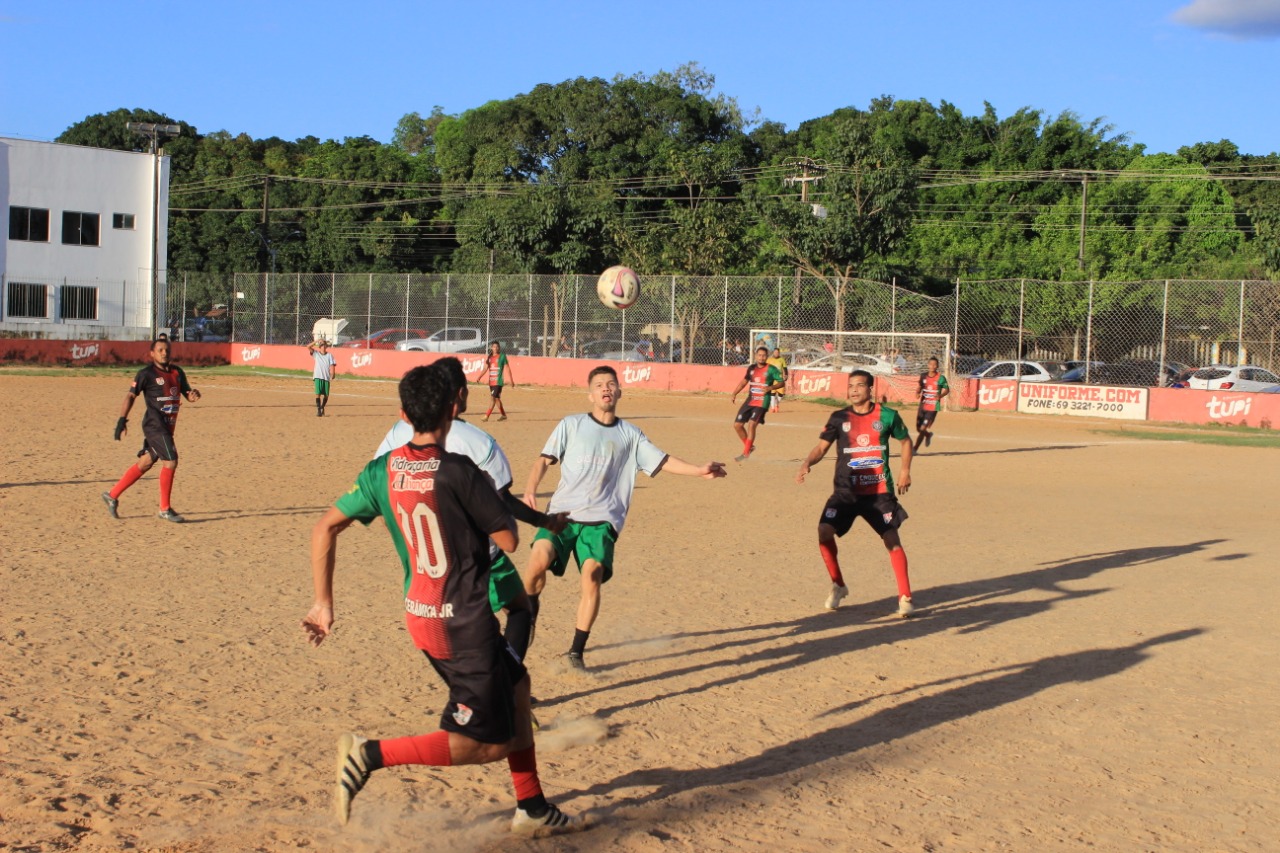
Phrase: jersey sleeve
(184, 386)
(139, 382)
(496, 467)
(554, 448)
(832, 429)
(480, 500)
(774, 376)
(362, 501)
(897, 428)
(649, 457)
(942, 382)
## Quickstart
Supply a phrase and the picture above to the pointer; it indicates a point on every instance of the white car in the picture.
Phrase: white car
(1225, 377)
(848, 362)
(452, 339)
(1031, 371)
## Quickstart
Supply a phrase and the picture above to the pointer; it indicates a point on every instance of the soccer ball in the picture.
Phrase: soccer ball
(618, 288)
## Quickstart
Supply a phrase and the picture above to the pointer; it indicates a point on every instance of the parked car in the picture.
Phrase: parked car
(612, 351)
(847, 362)
(452, 339)
(1080, 371)
(1028, 371)
(1241, 377)
(386, 338)
(964, 365)
(1138, 372)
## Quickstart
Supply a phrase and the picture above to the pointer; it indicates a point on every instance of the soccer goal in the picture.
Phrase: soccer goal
(876, 352)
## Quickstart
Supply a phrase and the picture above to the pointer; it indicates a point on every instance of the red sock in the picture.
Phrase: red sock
(898, 559)
(746, 446)
(432, 749)
(166, 487)
(833, 564)
(524, 773)
(130, 477)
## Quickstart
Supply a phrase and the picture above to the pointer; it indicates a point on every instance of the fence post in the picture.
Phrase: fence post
(448, 282)
(893, 311)
(1240, 355)
(406, 301)
(777, 333)
(671, 329)
(368, 307)
(955, 340)
(724, 324)
(333, 293)
(297, 308)
(488, 303)
(577, 343)
(529, 315)
(1164, 326)
(1022, 301)
(1088, 325)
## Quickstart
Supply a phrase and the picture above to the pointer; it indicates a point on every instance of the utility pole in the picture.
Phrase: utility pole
(1084, 206)
(154, 132)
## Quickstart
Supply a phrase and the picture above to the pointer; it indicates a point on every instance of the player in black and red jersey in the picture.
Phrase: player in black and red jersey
(760, 380)
(863, 483)
(933, 390)
(442, 512)
(162, 385)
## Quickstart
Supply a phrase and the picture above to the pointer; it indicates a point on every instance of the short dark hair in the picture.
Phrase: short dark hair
(932, 358)
(161, 338)
(871, 382)
(452, 369)
(602, 369)
(762, 348)
(426, 398)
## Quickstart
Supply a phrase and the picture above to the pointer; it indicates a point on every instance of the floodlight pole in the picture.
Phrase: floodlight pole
(154, 132)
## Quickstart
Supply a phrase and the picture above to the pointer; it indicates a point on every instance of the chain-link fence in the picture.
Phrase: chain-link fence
(705, 319)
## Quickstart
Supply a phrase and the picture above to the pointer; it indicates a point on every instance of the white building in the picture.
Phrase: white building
(80, 251)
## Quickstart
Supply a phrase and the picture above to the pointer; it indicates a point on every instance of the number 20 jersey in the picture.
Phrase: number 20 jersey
(440, 509)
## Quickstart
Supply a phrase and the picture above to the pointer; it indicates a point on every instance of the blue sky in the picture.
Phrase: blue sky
(1166, 72)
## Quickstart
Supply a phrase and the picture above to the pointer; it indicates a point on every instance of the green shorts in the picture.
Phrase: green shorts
(322, 387)
(585, 542)
(505, 585)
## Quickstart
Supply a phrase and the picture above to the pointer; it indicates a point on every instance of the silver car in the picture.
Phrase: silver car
(1240, 377)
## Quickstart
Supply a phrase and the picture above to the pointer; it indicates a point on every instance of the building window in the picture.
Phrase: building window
(27, 300)
(79, 229)
(29, 223)
(78, 303)
(122, 221)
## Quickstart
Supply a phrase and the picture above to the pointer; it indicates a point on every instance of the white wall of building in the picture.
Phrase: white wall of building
(71, 178)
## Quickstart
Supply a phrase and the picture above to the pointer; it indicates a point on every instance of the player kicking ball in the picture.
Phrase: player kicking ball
(441, 513)
(863, 483)
(599, 455)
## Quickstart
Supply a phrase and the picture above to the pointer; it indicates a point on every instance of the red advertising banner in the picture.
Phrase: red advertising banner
(99, 353)
(997, 395)
(1184, 405)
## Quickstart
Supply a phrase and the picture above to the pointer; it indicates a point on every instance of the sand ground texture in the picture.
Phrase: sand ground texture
(1095, 666)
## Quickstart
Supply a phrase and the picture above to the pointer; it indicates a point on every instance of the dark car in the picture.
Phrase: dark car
(1138, 372)
(386, 338)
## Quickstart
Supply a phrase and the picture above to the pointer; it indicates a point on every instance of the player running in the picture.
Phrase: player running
(495, 365)
(506, 590)
(599, 454)
(933, 390)
(441, 512)
(776, 359)
(322, 372)
(162, 385)
(863, 483)
(763, 379)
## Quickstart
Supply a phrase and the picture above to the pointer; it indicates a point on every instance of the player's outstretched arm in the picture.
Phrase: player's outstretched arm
(736, 391)
(819, 451)
(324, 549)
(536, 474)
(904, 475)
(709, 471)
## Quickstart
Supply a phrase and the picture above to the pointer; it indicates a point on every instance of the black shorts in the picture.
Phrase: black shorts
(158, 444)
(749, 412)
(495, 391)
(882, 512)
(482, 692)
(925, 418)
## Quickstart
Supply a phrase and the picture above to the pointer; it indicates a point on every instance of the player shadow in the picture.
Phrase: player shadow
(1039, 449)
(219, 515)
(54, 483)
(965, 607)
(981, 691)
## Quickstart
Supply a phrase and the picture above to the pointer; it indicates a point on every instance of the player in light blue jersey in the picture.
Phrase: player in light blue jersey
(599, 455)
(506, 589)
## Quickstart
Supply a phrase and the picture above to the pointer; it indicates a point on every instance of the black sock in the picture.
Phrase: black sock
(373, 754)
(534, 806)
(518, 624)
(579, 642)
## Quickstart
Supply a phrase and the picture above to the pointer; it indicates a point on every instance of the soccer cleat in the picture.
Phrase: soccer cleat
(743, 456)
(928, 439)
(575, 661)
(353, 772)
(170, 514)
(112, 504)
(838, 592)
(552, 822)
(905, 607)
(502, 417)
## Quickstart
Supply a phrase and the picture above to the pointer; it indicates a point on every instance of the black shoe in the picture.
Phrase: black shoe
(575, 661)
(171, 515)
(112, 504)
